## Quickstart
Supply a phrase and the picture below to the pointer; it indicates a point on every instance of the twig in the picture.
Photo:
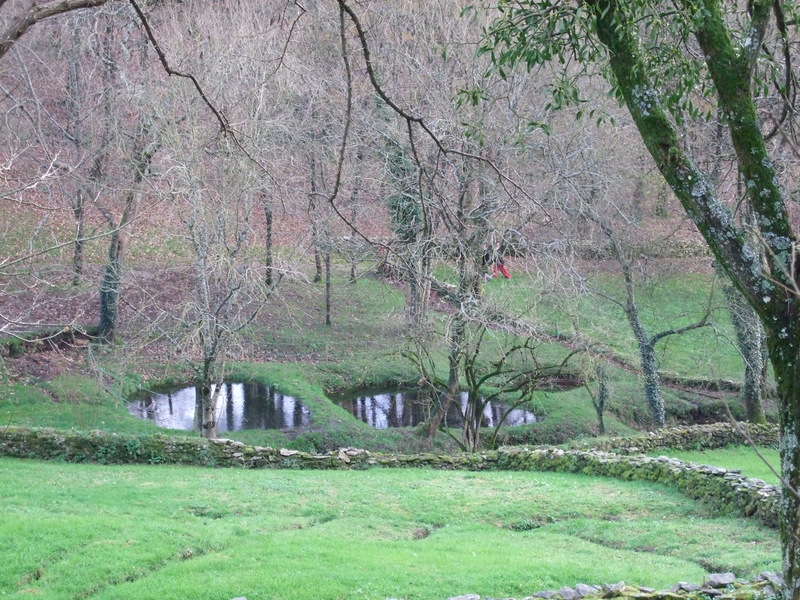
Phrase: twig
(746, 435)
(225, 125)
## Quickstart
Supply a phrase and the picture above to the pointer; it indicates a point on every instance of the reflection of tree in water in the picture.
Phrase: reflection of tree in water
(239, 406)
(228, 388)
(412, 407)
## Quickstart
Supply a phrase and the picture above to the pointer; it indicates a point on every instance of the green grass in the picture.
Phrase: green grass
(80, 531)
(365, 315)
(743, 458)
(67, 402)
(664, 302)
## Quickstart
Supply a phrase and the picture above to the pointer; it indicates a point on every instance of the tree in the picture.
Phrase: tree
(13, 27)
(92, 123)
(144, 147)
(412, 228)
(666, 63)
(593, 196)
(752, 347)
(510, 374)
(217, 210)
(217, 186)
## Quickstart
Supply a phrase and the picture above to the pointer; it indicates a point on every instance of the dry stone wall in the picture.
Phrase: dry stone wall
(695, 437)
(728, 491)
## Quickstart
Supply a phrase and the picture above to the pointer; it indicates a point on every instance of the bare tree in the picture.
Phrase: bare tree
(219, 183)
(606, 213)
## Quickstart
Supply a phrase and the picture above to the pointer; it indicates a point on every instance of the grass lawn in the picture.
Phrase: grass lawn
(83, 531)
(138, 532)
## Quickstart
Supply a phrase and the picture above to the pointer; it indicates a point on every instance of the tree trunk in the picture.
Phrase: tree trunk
(110, 289)
(208, 400)
(454, 358)
(74, 104)
(766, 284)
(415, 298)
(268, 279)
(647, 354)
(353, 219)
(77, 251)
(317, 257)
(473, 419)
(328, 287)
(749, 337)
(312, 214)
(784, 353)
(652, 383)
(602, 397)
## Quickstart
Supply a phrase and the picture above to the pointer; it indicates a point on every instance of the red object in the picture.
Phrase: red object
(502, 269)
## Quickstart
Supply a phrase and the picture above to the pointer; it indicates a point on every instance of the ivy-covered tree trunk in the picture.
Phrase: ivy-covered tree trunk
(750, 340)
(646, 343)
(652, 383)
(601, 399)
(110, 289)
(785, 355)
(770, 286)
(268, 261)
(411, 225)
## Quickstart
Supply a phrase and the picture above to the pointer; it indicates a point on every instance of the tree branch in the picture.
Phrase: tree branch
(417, 120)
(162, 57)
(20, 25)
(727, 241)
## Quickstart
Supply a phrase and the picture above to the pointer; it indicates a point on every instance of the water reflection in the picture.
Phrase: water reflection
(408, 408)
(239, 406)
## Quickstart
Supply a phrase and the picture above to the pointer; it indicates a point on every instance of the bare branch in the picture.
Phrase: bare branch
(225, 125)
(223, 121)
(417, 120)
(20, 25)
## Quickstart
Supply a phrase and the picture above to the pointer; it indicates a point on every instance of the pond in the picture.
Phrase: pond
(240, 406)
(410, 407)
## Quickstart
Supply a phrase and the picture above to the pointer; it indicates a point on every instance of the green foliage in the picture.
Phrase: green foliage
(404, 202)
(563, 34)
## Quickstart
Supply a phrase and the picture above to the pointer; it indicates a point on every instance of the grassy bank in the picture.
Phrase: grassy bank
(290, 347)
(79, 531)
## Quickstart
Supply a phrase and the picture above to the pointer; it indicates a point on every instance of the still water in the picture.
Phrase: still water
(239, 406)
(408, 408)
